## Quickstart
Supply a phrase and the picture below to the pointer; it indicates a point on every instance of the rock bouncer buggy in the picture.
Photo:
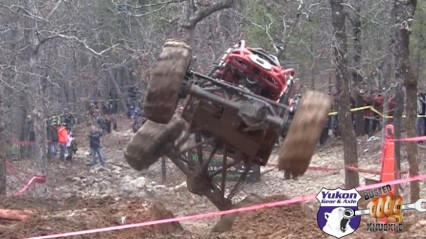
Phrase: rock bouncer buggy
(238, 111)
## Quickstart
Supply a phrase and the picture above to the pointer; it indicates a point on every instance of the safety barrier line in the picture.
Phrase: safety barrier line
(333, 169)
(352, 110)
(375, 111)
(12, 171)
(34, 179)
(411, 139)
(23, 142)
(294, 200)
(11, 165)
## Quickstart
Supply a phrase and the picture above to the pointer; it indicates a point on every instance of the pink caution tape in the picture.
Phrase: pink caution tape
(332, 169)
(35, 179)
(220, 213)
(413, 139)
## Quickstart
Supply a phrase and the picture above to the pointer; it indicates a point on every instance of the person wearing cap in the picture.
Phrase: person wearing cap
(62, 140)
(95, 145)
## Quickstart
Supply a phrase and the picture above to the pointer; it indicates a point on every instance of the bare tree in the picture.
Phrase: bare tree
(354, 17)
(3, 181)
(405, 15)
(194, 12)
(36, 83)
(340, 61)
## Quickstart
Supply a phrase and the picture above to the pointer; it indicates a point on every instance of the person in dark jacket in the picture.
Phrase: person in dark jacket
(52, 138)
(324, 135)
(95, 145)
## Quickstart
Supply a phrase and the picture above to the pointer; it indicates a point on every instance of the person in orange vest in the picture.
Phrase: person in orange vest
(62, 140)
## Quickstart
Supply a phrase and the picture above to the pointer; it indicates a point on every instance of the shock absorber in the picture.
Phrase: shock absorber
(285, 95)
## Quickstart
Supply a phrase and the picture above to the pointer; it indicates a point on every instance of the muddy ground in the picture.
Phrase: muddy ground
(78, 197)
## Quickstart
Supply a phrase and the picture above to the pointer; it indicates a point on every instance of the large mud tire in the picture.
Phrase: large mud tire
(165, 81)
(304, 133)
(152, 141)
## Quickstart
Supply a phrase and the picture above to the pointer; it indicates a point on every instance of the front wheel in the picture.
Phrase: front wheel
(166, 80)
(304, 133)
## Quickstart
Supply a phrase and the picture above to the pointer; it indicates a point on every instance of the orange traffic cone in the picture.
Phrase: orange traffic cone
(388, 161)
(388, 158)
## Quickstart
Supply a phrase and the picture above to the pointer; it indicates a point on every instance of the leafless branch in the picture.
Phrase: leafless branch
(53, 10)
(351, 7)
(267, 27)
(85, 45)
(165, 3)
(200, 15)
(24, 12)
(249, 20)
(108, 66)
(147, 13)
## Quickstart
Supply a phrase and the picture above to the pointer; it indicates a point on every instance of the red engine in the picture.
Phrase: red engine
(254, 69)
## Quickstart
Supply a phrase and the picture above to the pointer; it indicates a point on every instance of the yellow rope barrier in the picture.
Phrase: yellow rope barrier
(375, 111)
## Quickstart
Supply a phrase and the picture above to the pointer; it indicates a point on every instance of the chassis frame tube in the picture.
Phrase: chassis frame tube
(223, 84)
(276, 122)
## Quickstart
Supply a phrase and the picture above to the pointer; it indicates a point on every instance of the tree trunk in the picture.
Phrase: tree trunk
(359, 115)
(407, 10)
(397, 120)
(313, 62)
(389, 77)
(38, 100)
(3, 181)
(342, 86)
(356, 72)
(192, 14)
(118, 90)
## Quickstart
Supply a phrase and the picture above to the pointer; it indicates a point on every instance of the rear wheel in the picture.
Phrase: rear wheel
(152, 141)
(166, 81)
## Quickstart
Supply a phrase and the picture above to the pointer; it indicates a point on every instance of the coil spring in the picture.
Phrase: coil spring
(239, 184)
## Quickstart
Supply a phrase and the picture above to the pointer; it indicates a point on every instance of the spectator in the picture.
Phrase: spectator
(130, 110)
(69, 119)
(71, 147)
(378, 101)
(368, 116)
(137, 123)
(93, 110)
(62, 139)
(113, 123)
(138, 120)
(421, 111)
(108, 124)
(95, 145)
(105, 124)
(52, 138)
(324, 135)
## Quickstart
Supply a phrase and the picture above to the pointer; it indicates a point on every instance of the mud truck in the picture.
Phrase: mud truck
(238, 110)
